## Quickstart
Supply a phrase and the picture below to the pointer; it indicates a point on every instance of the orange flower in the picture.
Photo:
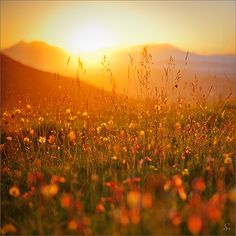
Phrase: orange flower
(14, 191)
(194, 223)
(100, 208)
(213, 213)
(175, 218)
(133, 199)
(182, 193)
(8, 229)
(177, 181)
(135, 216)
(147, 200)
(57, 179)
(73, 225)
(66, 201)
(51, 139)
(199, 184)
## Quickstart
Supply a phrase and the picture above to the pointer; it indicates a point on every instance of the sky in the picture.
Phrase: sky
(205, 27)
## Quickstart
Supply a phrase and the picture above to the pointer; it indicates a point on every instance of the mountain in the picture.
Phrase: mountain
(186, 67)
(23, 83)
(39, 55)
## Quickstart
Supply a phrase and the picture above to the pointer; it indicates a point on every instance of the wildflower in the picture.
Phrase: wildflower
(73, 225)
(185, 172)
(131, 125)
(110, 122)
(85, 114)
(194, 224)
(141, 133)
(22, 119)
(18, 111)
(94, 177)
(28, 107)
(72, 136)
(135, 216)
(14, 191)
(213, 212)
(31, 132)
(158, 107)
(49, 190)
(9, 138)
(228, 160)
(66, 201)
(182, 193)
(57, 179)
(124, 220)
(68, 111)
(199, 184)
(133, 199)
(177, 181)
(114, 158)
(99, 128)
(100, 208)
(26, 139)
(51, 139)
(8, 229)
(147, 200)
(167, 185)
(175, 218)
(42, 139)
(177, 125)
(104, 125)
(232, 195)
(41, 119)
(71, 118)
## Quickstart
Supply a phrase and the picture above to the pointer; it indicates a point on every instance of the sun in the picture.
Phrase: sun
(88, 38)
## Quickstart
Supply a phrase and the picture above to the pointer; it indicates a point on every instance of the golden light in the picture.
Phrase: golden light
(88, 38)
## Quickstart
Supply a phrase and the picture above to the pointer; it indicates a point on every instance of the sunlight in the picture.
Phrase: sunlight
(88, 38)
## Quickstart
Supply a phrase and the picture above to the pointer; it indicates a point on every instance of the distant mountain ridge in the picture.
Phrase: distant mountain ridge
(21, 82)
(209, 70)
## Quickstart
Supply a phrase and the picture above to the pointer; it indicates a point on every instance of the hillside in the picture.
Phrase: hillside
(21, 82)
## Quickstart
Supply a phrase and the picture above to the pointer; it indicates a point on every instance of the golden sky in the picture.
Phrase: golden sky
(206, 27)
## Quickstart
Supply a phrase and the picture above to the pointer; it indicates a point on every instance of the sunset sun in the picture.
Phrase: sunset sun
(87, 39)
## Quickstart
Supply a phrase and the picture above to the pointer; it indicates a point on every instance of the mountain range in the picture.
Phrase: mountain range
(187, 67)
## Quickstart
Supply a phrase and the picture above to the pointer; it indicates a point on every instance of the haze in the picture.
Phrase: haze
(205, 27)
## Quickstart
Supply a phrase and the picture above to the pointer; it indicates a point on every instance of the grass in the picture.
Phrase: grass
(127, 167)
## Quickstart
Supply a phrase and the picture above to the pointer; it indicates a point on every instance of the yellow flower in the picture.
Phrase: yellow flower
(68, 111)
(42, 139)
(14, 191)
(99, 129)
(9, 138)
(72, 136)
(49, 190)
(28, 107)
(185, 172)
(114, 158)
(41, 119)
(26, 139)
(85, 114)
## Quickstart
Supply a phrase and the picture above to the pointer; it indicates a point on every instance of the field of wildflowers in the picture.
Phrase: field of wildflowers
(122, 168)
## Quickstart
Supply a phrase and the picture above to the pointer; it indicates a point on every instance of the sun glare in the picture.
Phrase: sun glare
(87, 39)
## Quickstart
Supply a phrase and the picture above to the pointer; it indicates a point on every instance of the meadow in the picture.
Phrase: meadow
(147, 166)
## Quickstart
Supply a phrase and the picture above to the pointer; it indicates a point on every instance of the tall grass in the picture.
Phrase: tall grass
(125, 166)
